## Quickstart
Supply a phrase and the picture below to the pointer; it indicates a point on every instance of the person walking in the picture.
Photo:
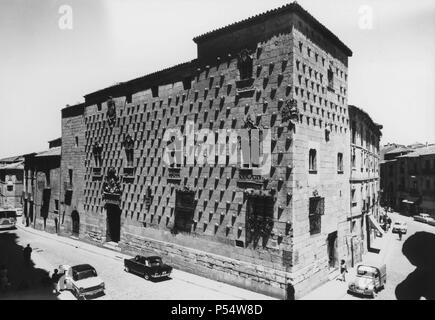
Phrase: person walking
(55, 279)
(399, 232)
(27, 254)
(343, 270)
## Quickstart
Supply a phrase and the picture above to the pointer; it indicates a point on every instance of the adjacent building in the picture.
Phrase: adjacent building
(364, 182)
(408, 179)
(41, 194)
(11, 182)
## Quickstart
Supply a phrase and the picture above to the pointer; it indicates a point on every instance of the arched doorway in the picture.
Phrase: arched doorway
(75, 217)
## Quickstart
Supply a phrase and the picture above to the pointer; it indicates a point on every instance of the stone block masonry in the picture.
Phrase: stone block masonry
(280, 71)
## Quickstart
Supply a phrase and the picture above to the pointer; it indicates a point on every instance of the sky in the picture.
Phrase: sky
(54, 52)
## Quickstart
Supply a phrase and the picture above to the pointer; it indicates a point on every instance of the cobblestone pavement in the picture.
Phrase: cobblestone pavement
(49, 252)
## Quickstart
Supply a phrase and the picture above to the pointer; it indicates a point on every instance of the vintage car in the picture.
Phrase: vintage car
(422, 217)
(82, 280)
(369, 280)
(148, 267)
(400, 225)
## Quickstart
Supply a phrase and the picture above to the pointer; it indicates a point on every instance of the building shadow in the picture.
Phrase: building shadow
(26, 281)
(419, 249)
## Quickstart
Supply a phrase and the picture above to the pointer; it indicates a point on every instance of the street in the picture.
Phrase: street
(398, 266)
(49, 251)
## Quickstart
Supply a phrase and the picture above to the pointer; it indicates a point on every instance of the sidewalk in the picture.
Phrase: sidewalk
(336, 289)
(223, 288)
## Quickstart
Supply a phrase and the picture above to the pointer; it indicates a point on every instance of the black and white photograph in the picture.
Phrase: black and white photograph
(249, 152)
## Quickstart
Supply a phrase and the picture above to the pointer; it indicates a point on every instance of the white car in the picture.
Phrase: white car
(400, 225)
(82, 280)
(423, 217)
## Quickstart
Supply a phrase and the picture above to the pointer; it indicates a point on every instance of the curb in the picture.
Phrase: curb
(77, 246)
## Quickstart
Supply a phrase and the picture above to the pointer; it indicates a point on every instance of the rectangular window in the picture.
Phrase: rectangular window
(340, 163)
(187, 83)
(312, 158)
(353, 192)
(128, 98)
(70, 176)
(330, 79)
(316, 210)
(10, 187)
(77, 141)
(155, 91)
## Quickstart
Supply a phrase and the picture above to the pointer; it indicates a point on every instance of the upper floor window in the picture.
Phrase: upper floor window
(312, 158)
(330, 79)
(340, 162)
(77, 141)
(244, 64)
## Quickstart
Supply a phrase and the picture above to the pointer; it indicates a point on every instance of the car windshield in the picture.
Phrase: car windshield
(367, 271)
(154, 262)
(8, 214)
(89, 273)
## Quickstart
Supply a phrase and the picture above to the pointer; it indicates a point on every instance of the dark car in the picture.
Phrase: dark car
(148, 267)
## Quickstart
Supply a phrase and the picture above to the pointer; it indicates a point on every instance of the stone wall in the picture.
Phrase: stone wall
(210, 96)
(73, 158)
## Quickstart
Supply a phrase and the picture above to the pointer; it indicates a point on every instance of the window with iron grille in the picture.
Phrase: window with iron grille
(316, 210)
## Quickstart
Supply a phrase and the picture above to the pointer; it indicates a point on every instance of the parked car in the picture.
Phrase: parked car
(423, 217)
(400, 225)
(370, 279)
(82, 280)
(148, 267)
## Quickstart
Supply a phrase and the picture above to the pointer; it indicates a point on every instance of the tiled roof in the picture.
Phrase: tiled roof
(147, 77)
(423, 151)
(398, 150)
(11, 166)
(294, 7)
(50, 152)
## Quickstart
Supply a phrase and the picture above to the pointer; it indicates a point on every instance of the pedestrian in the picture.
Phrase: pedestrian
(399, 231)
(55, 279)
(389, 222)
(27, 254)
(343, 270)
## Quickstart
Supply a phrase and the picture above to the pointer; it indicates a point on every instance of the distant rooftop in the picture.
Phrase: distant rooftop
(422, 151)
(56, 151)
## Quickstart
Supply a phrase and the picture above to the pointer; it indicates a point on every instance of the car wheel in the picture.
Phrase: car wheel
(146, 276)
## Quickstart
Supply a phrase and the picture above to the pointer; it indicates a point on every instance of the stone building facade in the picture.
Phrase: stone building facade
(42, 189)
(11, 182)
(408, 176)
(364, 182)
(271, 217)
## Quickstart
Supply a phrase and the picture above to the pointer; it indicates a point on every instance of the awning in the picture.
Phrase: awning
(375, 224)
(408, 201)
